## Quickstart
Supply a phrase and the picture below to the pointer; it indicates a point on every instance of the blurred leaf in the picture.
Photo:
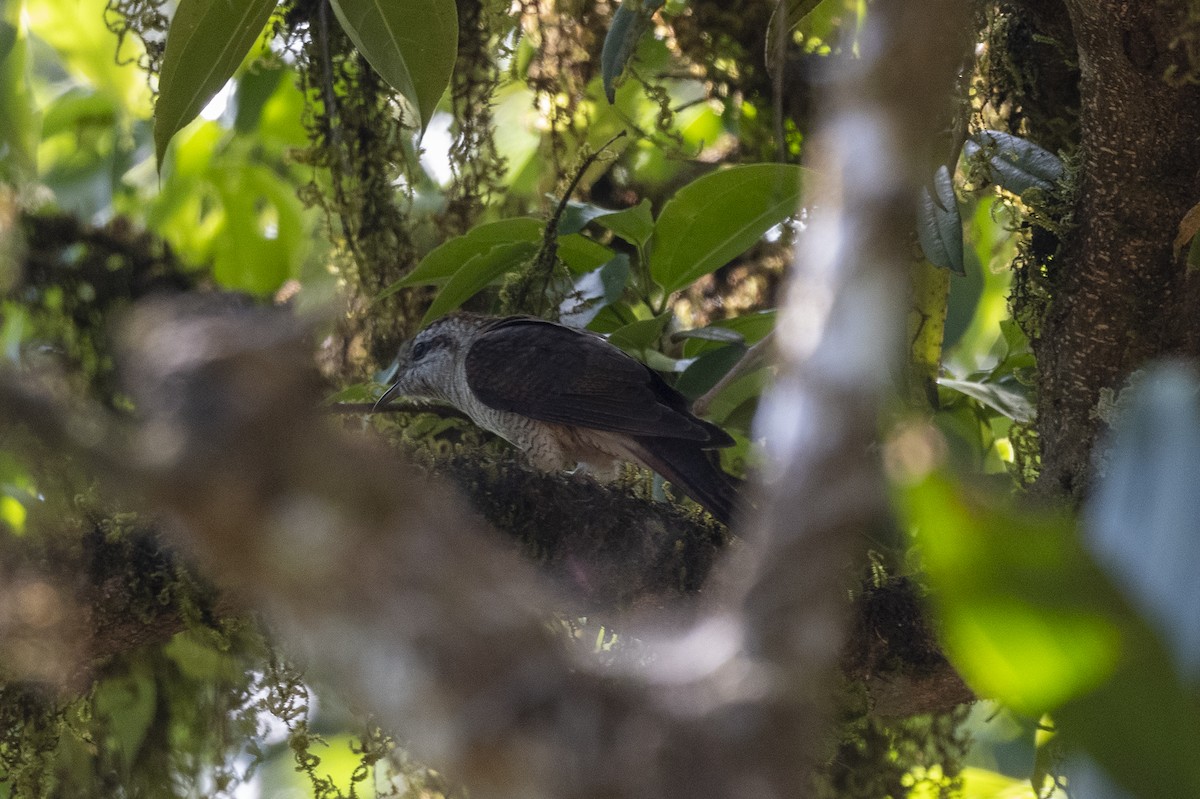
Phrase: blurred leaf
(978, 783)
(127, 703)
(1014, 163)
(707, 370)
(412, 44)
(1144, 517)
(446, 259)
(254, 89)
(939, 225)
(18, 131)
(1028, 619)
(628, 24)
(1022, 614)
(74, 29)
(635, 224)
(259, 245)
(1189, 226)
(206, 43)
(12, 513)
(794, 11)
(356, 392)
(1003, 399)
(476, 273)
(719, 216)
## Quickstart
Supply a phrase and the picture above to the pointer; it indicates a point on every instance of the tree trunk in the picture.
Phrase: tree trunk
(1120, 296)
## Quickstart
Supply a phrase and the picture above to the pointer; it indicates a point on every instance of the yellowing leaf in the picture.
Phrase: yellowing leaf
(1189, 226)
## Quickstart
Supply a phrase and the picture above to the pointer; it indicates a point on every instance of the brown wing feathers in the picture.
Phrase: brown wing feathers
(557, 374)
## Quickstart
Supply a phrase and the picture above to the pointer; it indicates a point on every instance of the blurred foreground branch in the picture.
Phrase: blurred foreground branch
(397, 594)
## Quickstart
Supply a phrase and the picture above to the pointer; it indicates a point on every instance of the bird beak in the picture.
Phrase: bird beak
(387, 397)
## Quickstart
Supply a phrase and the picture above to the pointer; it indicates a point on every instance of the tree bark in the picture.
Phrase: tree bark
(1119, 294)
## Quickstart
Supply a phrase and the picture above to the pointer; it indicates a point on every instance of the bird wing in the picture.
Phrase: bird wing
(558, 374)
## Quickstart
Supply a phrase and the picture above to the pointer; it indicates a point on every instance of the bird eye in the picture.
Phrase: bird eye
(419, 350)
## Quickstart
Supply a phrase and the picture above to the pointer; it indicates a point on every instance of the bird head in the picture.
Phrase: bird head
(427, 365)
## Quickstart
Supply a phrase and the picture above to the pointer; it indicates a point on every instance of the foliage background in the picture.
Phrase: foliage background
(302, 184)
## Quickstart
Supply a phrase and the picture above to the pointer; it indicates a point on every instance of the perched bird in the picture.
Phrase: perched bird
(565, 397)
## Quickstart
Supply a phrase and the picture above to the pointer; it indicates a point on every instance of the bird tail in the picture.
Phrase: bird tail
(695, 471)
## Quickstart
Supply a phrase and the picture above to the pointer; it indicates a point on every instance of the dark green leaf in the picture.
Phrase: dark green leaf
(206, 42)
(444, 260)
(615, 276)
(629, 23)
(254, 89)
(412, 44)
(744, 389)
(719, 216)
(1014, 163)
(707, 370)
(477, 273)
(939, 225)
(577, 215)
(641, 335)
(635, 224)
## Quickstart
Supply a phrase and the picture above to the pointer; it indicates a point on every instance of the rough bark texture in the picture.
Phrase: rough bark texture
(1119, 294)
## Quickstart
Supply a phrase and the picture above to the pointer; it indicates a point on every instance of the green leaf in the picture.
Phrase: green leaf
(777, 40)
(582, 254)
(1029, 619)
(412, 44)
(206, 42)
(748, 387)
(1002, 399)
(447, 258)
(477, 273)
(635, 224)
(18, 131)
(723, 335)
(708, 369)
(1014, 163)
(939, 225)
(1022, 610)
(719, 216)
(126, 704)
(751, 328)
(641, 335)
(577, 215)
(629, 23)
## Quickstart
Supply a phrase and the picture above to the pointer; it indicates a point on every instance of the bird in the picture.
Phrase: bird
(568, 399)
